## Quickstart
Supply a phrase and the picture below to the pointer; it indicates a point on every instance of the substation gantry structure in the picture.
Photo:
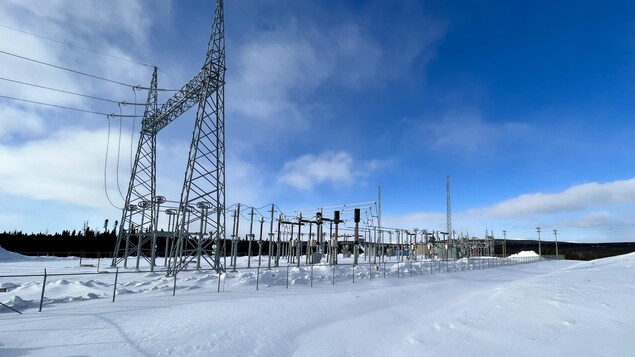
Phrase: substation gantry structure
(197, 223)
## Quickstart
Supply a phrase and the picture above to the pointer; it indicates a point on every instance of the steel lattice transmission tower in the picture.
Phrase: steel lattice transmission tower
(200, 217)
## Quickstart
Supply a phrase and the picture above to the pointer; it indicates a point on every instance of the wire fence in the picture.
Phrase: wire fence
(22, 293)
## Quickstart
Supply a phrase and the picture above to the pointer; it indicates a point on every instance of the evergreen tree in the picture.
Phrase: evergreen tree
(114, 230)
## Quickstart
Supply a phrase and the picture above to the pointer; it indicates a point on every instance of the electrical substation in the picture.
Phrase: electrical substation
(191, 232)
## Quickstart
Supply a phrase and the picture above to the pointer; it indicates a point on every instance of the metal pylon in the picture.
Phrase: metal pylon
(139, 212)
(201, 216)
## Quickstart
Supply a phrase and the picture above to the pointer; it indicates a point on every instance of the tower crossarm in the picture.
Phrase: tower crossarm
(181, 101)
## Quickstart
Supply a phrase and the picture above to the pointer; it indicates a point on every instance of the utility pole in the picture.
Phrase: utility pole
(504, 244)
(539, 247)
(271, 237)
(299, 245)
(356, 238)
(251, 237)
(379, 224)
(555, 234)
(336, 219)
(379, 208)
(262, 222)
(319, 244)
(235, 238)
(278, 241)
(449, 210)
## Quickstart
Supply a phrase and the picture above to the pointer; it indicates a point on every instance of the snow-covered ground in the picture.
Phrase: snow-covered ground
(550, 308)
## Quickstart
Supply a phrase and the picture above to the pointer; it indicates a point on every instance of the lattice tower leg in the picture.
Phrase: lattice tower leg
(204, 183)
(138, 211)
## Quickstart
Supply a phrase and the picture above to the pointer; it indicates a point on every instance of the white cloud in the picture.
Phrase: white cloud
(576, 198)
(67, 166)
(595, 219)
(54, 154)
(86, 17)
(307, 171)
(15, 121)
(465, 132)
(274, 72)
(118, 28)
(246, 183)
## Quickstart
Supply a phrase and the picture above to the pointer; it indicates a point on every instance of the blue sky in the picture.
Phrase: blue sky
(529, 107)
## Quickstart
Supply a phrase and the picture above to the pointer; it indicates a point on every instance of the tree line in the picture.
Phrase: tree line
(86, 241)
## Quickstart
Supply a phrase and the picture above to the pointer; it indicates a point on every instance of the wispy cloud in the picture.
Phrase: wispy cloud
(575, 198)
(53, 154)
(337, 169)
(465, 132)
(67, 166)
(277, 72)
(17, 122)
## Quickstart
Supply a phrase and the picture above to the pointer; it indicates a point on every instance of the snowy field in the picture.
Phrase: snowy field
(549, 308)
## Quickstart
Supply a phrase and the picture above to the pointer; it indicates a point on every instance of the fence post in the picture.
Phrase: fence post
(43, 287)
(397, 268)
(114, 288)
(353, 273)
(333, 278)
(220, 273)
(311, 275)
(174, 287)
(288, 265)
(258, 276)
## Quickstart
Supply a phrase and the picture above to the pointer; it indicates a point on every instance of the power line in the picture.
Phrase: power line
(134, 91)
(75, 46)
(67, 108)
(81, 73)
(86, 49)
(106, 166)
(68, 92)
(119, 149)
(65, 69)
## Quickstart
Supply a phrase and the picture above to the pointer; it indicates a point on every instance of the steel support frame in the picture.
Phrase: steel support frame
(200, 220)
